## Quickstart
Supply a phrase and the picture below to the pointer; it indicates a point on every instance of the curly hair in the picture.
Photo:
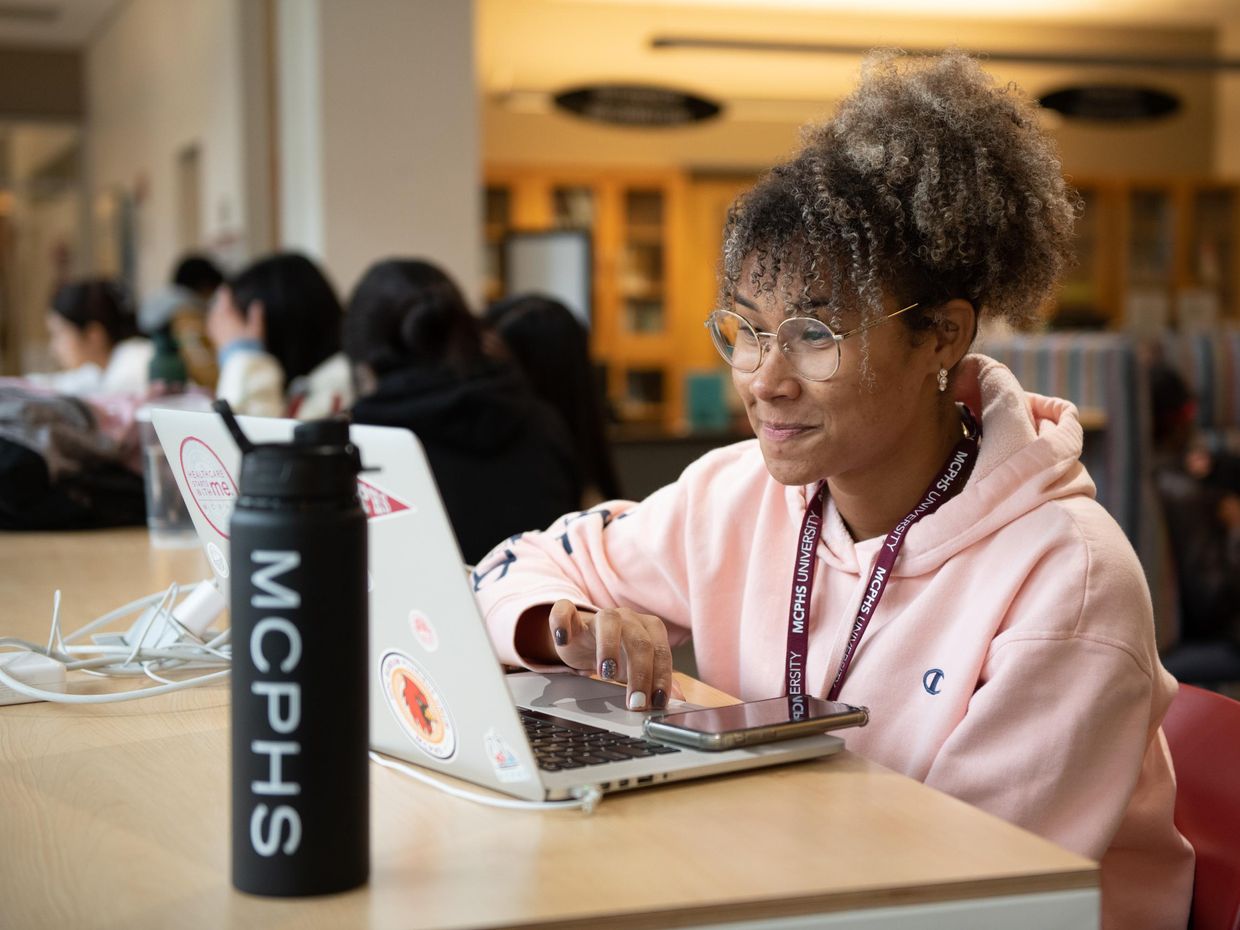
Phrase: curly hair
(929, 183)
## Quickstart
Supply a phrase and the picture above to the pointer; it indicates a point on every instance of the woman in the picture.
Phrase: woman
(277, 328)
(94, 338)
(501, 459)
(968, 588)
(552, 348)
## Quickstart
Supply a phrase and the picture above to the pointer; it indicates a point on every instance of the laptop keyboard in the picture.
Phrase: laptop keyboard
(560, 744)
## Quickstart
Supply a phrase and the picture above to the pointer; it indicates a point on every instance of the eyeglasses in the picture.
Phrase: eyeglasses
(811, 347)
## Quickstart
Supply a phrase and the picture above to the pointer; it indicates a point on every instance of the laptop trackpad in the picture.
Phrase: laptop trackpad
(580, 698)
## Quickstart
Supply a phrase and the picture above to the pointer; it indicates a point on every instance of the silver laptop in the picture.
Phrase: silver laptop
(439, 697)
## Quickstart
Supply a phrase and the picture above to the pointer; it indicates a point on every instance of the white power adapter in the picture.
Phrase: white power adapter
(32, 669)
(195, 613)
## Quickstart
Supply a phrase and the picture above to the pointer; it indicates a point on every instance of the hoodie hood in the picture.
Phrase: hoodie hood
(481, 412)
(1030, 455)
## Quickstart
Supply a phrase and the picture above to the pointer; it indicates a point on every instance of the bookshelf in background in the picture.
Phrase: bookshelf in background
(634, 220)
(1153, 253)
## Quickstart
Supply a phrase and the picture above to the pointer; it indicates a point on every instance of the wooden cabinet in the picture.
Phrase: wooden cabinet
(636, 223)
(1155, 253)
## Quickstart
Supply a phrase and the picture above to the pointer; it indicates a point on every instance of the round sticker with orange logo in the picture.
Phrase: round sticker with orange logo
(415, 702)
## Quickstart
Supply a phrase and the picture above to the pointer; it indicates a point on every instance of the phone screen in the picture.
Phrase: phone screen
(754, 714)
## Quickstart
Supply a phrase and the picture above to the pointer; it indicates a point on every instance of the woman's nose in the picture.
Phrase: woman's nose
(774, 376)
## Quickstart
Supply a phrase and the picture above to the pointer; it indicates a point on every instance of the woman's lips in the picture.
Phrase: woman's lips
(782, 432)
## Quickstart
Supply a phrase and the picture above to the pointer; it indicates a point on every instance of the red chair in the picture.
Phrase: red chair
(1203, 731)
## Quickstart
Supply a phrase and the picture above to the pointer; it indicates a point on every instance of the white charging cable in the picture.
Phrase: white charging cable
(168, 636)
(587, 800)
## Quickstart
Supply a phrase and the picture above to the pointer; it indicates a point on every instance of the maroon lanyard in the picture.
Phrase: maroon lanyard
(946, 485)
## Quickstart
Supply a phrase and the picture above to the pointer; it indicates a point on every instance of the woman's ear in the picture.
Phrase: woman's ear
(954, 331)
(256, 321)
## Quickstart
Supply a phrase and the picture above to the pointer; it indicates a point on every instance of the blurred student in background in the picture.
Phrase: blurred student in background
(198, 275)
(94, 339)
(502, 459)
(1200, 492)
(179, 311)
(552, 348)
(276, 326)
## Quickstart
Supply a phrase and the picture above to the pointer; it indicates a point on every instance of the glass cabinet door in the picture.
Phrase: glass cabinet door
(1082, 301)
(1150, 241)
(1211, 271)
(497, 218)
(642, 271)
(573, 207)
(644, 394)
(1150, 258)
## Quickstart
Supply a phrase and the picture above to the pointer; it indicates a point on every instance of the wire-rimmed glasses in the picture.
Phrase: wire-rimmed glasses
(811, 347)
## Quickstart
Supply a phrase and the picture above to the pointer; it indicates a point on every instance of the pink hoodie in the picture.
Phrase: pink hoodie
(1011, 662)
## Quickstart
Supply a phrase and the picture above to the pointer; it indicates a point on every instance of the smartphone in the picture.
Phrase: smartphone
(754, 722)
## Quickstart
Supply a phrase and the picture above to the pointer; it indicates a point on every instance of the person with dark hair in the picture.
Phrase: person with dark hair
(419, 362)
(198, 274)
(909, 530)
(94, 338)
(552, 348)
(1200, 493)
(277, 325)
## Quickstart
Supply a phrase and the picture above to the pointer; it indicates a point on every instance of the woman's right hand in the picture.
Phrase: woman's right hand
(617, 644)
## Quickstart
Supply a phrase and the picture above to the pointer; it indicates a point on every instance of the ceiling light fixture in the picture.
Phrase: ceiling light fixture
(636, 105)
(698, 43)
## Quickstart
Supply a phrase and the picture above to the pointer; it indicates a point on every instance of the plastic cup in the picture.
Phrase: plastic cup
(167, 518)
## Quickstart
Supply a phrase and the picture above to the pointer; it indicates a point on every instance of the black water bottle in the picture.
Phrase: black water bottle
(300, 787)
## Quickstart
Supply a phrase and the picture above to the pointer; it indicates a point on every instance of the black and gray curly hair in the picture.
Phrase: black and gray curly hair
(929, 183)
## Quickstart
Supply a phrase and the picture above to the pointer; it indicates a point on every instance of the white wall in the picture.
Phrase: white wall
(299, 79)
(46, 227)
(375, 115)
(163, 75)
(392, 104)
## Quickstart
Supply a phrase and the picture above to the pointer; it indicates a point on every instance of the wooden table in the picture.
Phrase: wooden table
(117, 816)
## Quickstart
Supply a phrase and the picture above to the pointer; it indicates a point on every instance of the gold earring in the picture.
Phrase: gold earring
(942, 379)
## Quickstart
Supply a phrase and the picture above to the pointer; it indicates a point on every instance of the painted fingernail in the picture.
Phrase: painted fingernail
(660, 699)
(608, 669)
(637, 700)
(561, 637)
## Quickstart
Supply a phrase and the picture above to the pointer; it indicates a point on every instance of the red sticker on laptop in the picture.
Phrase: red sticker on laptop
(416, 704)
(210, 485)
(378, 502)
(423, 630)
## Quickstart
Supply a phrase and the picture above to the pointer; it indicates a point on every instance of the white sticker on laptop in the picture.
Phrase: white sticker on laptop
(507, 765)
(423, 630)
(218, 562)
(210, 485)
(416, 704)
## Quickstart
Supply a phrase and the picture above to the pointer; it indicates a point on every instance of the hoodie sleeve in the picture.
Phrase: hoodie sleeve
(618, 554)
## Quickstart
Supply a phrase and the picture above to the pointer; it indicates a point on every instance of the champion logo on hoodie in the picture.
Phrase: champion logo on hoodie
(932, 681)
